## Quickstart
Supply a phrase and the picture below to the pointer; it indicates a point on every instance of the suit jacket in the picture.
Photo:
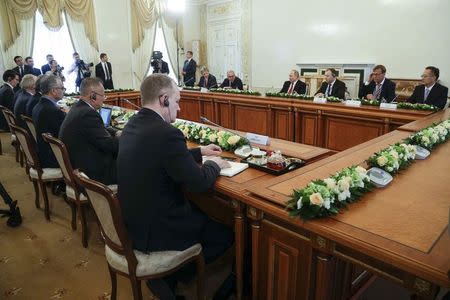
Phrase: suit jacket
(20, 107)
(154, 165)
(45, 68)
(91, 147)
(6, 100)
(31, 104)
(236, 84)
(299, 87)
(387, 90)
(437, 96)
(47, 117)
(337, 91)
(26, 70)
(36, 72)
(190, 68)
(100, 73)
(212, 82)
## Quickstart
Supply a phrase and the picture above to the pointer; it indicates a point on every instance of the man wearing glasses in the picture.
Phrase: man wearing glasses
(430, 92)
(48, 117)
(378, 87)
(232, 81)
(92, 147)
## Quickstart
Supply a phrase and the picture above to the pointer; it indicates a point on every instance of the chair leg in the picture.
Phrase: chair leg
(73, 208)
(36, 191)
(113, 276)
(46, 204)
(21, 158)
(16, 147)
(1, 148)
(201, 278)
(84, 230)
(136, 286)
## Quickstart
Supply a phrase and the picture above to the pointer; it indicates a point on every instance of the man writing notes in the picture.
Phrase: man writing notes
(378, 87)
(332, 87)
(189, 68)
(232, 81)
(154, 166)
(103, 70)
(430, 92)
(294, 85)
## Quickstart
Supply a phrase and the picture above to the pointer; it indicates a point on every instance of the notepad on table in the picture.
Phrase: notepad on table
(235, 168)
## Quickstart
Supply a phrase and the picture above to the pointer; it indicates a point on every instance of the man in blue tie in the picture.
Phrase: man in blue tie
(189, 68)
(431, 91)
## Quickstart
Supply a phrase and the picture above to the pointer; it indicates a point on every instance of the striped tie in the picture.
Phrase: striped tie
(427, 92)
(377, 92)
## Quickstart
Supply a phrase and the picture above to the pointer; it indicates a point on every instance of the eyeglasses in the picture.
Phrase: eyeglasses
(103, 95)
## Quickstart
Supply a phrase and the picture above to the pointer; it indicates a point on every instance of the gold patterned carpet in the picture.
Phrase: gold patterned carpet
(45, 260)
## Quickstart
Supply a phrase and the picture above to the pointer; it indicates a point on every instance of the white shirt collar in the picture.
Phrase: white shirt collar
(88, 104)
(429, 88)
(381, 83)
(9, 85)
(333, 82)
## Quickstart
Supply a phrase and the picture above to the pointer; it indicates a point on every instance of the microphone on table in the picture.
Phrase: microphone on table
(131, 103)
(205, 120)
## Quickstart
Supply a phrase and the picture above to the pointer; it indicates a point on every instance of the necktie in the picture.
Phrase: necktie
(329, 89)
(21, 71)
(377, 92)
(106, 72)
(206, 82)
(427, 92)
(291, 87)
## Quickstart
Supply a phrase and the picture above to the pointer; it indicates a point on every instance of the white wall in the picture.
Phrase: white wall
(404, 35)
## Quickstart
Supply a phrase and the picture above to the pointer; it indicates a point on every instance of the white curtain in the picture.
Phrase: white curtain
(142, 56)
(22, 46)
(80, 42)
(171, 43)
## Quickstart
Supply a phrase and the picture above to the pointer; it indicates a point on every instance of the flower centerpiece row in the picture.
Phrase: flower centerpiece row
(326, 197)
(235, 91)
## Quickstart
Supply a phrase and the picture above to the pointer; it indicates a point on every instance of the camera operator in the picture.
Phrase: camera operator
(56, 70)
(159, 65)
(81, 68)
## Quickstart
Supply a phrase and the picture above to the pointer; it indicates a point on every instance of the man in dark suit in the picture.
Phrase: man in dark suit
(45, 68)
(29, 61)
(430, 92)
(207, 80)
(154, 167)
(11, 79)
(332, 87)
(103, 70)
(21, 68)
(232, 82)
(48, 117)
(378, 86)
(28, 85)
(294, 84)
(92, 147)
(35, 98)
(189, 68)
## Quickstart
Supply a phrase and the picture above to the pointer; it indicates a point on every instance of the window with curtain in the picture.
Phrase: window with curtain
(57, 43)
(160, 45)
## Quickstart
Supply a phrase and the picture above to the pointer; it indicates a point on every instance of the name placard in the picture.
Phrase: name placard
(257, 138)
(388, 106)
(352, 102)
(204, 90)
(320, 100)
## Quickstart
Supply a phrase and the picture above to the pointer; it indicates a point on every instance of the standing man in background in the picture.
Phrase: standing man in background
(45, 68)
(189, 68)
(29, 61)
(103, 70)
(11, 79)
(81, 68)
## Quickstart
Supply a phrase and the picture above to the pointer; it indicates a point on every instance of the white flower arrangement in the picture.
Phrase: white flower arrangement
(431, 136)
(393, 158)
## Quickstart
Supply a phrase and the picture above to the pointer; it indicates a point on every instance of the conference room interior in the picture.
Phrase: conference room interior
(384, 242)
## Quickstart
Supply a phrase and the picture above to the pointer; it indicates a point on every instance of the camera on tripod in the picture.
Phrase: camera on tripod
(84, 68)
(156, 62)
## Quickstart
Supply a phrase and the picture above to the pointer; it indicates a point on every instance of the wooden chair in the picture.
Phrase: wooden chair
(76, 199)
(38, 175)
(30, 124)
(10, 119)
(121, 257)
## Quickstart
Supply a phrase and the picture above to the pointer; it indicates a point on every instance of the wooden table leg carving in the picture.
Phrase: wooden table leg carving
(256, 216)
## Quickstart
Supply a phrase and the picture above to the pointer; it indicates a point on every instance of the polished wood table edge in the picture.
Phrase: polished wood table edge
(325, 229)
(426, 121)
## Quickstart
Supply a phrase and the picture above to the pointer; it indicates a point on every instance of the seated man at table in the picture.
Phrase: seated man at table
(294, 84)
(92, 147)
(154, 166)
(378, 87)
(431, 91)
(232, 81)
(11, 79)
(28, 85)
(332, 87)
(207, 80)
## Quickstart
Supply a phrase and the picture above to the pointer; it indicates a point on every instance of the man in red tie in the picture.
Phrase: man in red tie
(294, 85)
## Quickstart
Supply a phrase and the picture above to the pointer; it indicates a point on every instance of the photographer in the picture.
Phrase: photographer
(56, 70)
(81, 68)
(159, 65)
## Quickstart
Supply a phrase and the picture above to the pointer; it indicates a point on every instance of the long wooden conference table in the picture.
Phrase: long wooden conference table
(399, 232)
